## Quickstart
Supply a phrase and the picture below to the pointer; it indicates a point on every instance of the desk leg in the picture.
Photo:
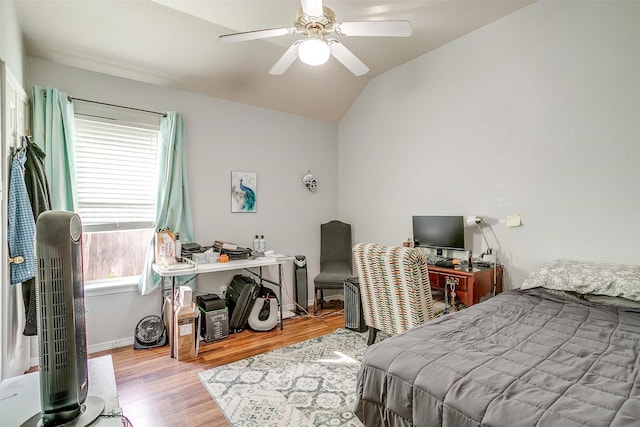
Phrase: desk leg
(173, 316)
(280, 294)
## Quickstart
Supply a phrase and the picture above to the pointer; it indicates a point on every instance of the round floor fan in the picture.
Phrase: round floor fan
(150, 332)
(316, 22)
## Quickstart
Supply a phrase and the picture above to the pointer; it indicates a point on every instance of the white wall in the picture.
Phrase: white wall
(222, 136)
(537, 114)
(11, 46)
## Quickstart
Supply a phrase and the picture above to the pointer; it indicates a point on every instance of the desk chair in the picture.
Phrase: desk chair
(335, 259)
(394, 288)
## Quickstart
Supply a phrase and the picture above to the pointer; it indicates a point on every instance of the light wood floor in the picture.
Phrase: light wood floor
(156, 390)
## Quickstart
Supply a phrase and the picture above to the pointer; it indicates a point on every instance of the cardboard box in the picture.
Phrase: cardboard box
(165, 245)
(185, 296)
(186, 327)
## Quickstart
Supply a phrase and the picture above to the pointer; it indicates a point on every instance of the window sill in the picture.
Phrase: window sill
(96, 288)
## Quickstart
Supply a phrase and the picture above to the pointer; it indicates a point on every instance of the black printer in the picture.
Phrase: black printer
(210, 302)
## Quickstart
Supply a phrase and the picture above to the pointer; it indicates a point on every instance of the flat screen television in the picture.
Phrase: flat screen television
(439, 232)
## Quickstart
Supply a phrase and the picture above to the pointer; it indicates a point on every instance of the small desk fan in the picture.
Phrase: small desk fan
(150, 332)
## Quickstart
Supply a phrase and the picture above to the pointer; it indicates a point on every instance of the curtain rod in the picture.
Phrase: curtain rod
(117, 106)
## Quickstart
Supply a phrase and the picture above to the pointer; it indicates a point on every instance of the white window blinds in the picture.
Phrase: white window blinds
(116, 174)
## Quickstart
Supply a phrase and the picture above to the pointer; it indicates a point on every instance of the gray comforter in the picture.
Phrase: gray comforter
(522, 358)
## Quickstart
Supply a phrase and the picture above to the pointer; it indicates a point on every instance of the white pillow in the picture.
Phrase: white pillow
(616, 280)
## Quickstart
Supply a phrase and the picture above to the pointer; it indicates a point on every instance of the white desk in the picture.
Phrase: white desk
(20, 396)
(244, 264)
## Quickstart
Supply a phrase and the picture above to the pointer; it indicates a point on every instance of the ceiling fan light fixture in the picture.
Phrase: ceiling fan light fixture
(314, 51)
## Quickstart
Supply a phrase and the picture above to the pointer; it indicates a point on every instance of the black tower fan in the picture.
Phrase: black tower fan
(62, 345)
(301, 288)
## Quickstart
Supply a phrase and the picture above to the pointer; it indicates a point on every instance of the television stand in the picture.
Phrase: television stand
(470, 286)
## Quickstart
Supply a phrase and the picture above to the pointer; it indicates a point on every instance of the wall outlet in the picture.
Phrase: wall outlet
(514, 221)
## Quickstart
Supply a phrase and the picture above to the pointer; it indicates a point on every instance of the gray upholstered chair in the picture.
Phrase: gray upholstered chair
(394, 288)
(335, 259)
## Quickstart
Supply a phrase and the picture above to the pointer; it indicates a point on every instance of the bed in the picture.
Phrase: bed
(563, 350)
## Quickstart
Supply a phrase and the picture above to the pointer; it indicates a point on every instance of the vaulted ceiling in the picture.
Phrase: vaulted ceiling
(174, 43)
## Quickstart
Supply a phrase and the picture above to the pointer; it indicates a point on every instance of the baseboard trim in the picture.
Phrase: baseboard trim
(110, 345)
(288, 311)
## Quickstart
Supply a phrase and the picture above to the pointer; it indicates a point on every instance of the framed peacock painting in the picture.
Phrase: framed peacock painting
(243, 191)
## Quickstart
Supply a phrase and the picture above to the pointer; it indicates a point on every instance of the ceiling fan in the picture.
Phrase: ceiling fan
(317, 22)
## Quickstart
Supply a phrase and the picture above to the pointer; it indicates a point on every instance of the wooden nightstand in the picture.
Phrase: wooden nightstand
(470, 286)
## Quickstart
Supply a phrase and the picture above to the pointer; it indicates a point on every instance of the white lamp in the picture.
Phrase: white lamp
(314, 51)
(472, 220)
(476, 220)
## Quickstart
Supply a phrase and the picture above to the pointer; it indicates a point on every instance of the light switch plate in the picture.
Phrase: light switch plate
(514, 221)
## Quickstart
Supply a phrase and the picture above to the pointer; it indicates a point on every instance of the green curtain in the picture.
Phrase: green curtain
(173, 210)
(52, 117)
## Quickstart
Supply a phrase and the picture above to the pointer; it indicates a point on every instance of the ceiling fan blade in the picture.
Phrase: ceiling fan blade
(348, 59)
(285, 60)
(375, 28)
(312, 8)
(257, 34)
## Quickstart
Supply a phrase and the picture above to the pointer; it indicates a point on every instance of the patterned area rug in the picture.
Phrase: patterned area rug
(312, 383)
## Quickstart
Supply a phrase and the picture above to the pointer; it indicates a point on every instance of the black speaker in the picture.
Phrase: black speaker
(301, 287)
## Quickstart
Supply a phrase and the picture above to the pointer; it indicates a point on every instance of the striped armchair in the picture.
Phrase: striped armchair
(394, 287)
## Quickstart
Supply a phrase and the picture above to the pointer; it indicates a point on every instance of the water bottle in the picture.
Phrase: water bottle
(262, 245)
(178, 248)
(256, 244)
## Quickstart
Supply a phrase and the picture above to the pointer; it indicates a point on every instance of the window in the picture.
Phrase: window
(116, 175)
